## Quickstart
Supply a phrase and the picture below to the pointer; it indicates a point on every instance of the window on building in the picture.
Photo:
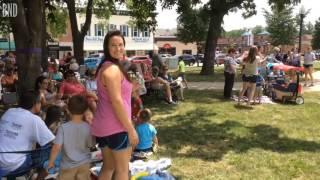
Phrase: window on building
(112, 27)
(186, 51)
(88, 32)
(146, 33)
(135, 32)
(124, 29)
(99, 30)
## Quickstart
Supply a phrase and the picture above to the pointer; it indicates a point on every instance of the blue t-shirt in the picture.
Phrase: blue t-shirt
(146, 133)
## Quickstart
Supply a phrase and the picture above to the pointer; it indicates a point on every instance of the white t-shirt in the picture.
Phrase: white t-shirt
(19, 130)
(309, 58)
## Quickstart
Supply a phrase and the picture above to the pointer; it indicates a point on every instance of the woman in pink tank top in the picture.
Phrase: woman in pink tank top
(112, 125)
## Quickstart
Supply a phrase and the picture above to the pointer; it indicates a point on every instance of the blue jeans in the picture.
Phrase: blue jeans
(34, 159)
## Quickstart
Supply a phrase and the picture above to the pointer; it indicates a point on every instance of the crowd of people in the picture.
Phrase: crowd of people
(256, 68)
(68, 115)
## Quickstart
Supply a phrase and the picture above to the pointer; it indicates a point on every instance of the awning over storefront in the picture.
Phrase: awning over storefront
(5, 46)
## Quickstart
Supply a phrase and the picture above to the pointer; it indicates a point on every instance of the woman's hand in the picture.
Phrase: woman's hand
(133, 138)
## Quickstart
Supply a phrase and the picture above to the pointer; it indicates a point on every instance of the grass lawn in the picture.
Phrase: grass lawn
(209, 138)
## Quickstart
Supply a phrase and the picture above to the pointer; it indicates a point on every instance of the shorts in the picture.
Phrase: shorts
(116, 142)
(250, 78)
(307, 65)
(81, 172)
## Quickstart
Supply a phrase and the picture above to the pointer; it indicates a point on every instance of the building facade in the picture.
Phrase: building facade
(138, 42)
(171, 45)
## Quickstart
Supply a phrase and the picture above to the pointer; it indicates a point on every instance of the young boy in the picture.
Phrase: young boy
(182, 71)
(74, 140)
(146, 132)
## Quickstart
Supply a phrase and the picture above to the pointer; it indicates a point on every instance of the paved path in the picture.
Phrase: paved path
(237, 85)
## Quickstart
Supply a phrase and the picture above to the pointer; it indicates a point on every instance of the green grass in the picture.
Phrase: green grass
(209, 138)
(193, 74)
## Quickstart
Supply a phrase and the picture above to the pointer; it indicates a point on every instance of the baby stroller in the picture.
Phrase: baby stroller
(294, 91)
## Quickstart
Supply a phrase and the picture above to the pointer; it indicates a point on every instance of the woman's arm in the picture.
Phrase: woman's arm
(112, 78)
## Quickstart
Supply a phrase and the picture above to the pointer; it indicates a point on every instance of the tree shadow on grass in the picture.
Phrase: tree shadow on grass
(194, 135)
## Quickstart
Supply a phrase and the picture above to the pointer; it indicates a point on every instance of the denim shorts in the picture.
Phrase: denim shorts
(116, 142)
(250, 78)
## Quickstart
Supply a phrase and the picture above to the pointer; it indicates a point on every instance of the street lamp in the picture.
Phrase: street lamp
(302, 13)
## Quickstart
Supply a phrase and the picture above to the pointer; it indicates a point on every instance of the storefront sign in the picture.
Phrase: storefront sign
(140, 39)
(94, 38)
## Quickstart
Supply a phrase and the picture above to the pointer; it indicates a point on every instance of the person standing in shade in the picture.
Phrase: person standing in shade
(112, 124)
(229, 73)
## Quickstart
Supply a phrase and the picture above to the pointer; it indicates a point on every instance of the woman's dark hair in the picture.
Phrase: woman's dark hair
(252, 55)
(54, 113)
(39, 80)
(108, 57)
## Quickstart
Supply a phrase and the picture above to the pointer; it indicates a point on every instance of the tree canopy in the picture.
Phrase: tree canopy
(282, 26)
(316, 35)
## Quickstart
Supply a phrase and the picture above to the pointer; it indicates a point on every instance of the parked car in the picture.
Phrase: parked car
(145, 59)
(220, 58)
(92, 62)
(199, 57)
(165, 55)
(187, 58)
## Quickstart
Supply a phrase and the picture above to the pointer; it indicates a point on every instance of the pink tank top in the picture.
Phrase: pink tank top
(105, 122)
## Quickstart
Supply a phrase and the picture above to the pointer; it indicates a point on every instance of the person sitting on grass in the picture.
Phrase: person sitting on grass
(147, 133)
(74, 140)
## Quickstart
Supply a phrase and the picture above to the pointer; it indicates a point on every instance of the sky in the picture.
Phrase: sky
(167, 18)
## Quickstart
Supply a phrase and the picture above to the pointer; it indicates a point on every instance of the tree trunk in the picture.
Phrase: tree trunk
(211, 43)
(27, 28)
(44, 61)
(78, 36)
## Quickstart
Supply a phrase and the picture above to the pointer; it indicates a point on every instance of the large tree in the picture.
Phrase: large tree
(192, 27)
(316, 35)
(282, 26)
(27, 28)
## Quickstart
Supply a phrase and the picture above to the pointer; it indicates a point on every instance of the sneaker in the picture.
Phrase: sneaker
(173, 102)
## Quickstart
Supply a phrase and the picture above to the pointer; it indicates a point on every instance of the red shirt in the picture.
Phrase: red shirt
(71, 88)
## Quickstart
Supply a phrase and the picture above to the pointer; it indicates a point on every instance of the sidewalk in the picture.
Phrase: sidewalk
(237, 85)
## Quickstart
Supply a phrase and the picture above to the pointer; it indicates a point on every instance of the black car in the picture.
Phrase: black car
(199, 57)
(188, 59)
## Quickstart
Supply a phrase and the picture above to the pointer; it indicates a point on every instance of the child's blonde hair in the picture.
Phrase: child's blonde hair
(145, 115)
